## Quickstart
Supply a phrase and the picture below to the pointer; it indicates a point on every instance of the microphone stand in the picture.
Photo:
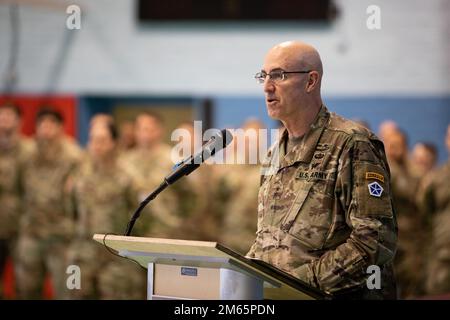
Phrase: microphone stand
(184, 168)
(143, 204)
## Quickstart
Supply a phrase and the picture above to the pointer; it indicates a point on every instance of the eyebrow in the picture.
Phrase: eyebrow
(275, 69)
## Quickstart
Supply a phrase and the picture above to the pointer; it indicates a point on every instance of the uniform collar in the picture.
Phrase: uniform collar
(304, 151)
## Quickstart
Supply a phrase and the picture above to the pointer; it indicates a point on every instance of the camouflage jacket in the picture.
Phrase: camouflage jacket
(325, 209)
(434, 198)
(45, 178)
(11, 191)
(103, 199)
(434, 194)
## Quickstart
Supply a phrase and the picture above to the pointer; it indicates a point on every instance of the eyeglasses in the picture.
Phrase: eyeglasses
(275, 76)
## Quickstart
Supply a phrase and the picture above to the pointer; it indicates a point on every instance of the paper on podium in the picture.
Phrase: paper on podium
(279, 285)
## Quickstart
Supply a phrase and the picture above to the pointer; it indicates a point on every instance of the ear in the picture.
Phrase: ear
(313, 81)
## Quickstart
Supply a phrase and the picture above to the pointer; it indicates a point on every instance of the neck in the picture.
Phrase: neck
(299, 124)
(48, 150)
(105, 163)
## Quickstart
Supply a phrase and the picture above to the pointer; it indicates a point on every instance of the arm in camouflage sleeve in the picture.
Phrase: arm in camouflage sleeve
(425, 198)
(374, 232)
(254, 248)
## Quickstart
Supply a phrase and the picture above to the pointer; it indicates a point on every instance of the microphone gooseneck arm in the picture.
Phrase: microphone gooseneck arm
(183, 169)
(143, 204)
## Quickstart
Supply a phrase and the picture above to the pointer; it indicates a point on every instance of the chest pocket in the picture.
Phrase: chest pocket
(309, 218)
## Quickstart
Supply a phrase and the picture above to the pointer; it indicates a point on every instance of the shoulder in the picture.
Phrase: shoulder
(27, 146)
(163, 151)
(360, 144)
(354, 132)
(438, 176)
(72, 149)
(349, 129)
(125, 156)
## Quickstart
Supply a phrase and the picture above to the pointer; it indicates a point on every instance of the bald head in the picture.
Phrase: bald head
(296, 95)
(297, 55)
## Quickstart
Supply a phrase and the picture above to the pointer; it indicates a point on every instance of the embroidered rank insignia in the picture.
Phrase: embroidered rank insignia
(374, 176)
(375, 189)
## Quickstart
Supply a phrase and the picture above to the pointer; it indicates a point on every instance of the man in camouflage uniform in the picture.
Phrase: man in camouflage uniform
(325, 210)
(14, 150)
(103, 199)
(148, 164)
(409, 257)
(46, 226)
(242, 182)
(435, 202)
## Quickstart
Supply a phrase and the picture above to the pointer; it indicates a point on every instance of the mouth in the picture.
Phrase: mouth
(271, 100)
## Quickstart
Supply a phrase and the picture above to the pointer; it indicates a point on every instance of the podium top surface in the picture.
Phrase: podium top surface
(141, 249)
(161, 246)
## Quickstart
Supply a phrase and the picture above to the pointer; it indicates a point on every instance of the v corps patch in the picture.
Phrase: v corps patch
(374, 176)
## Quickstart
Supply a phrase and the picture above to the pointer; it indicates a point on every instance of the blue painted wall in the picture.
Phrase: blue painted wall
(423, 118)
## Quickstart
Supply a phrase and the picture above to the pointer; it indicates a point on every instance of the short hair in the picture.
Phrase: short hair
(104, 116)
(13, 107)
(153, 115)
(430, 147)
(51, 113)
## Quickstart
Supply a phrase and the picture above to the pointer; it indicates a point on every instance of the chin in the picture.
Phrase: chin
(274, 114)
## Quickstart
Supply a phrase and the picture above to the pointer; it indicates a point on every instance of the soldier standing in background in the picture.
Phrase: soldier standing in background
(242, 182)
(103, 199)
(46, 226)
(409, 257)
(14, 150)
(148, 164)
(434, 199)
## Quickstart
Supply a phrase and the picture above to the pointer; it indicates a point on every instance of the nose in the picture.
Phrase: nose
(268, 86)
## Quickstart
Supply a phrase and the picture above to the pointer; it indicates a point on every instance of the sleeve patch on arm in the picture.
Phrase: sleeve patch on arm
(374, 176)
(373, 196)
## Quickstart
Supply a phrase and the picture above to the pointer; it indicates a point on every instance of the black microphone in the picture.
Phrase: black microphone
(217, 142)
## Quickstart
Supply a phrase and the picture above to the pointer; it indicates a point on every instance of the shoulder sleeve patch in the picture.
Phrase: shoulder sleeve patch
(374, 176)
